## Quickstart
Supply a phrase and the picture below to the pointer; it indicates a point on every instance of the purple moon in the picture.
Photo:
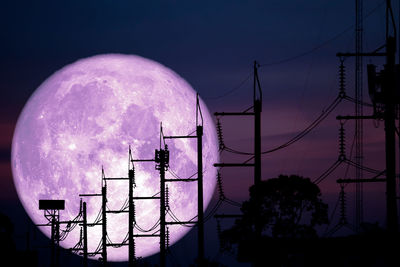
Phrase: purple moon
(84, 117)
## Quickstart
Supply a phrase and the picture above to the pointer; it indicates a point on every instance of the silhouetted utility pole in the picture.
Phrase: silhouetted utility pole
(382, 89)
(200, 213)
(51, 210)
(85, 240)
(82, 246)
(359, 111)
(131, 219)
(257, 100)
(130, 242)
(257, 106)
(162, 161)
(132, 174)
(257, 146)
(103, 222)
(131, 211)
(199, 179)
(390, 128)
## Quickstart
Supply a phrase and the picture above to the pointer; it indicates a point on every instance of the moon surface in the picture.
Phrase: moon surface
(84, 117)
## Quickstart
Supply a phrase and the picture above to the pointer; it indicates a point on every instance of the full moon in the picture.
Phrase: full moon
(86, 116)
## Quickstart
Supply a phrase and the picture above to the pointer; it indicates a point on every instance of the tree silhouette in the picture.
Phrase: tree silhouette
(285, 207)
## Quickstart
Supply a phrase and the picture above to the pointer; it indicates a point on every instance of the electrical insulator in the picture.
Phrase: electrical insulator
(157, 158)
(131, 175)
(220, 189)
(134, 249)
(134, 212)
(103, 178)
(167, 198)
(342, 145)
(81, 236)
(342, 80)
(343, 219)
(131, 170)
(167, 237)
(220, 135)
(166, 157)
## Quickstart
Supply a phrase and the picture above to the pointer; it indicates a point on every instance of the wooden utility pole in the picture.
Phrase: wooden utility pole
(200, 213)
(85, 239)
(257, 101)
(390, 128)
(162, 160)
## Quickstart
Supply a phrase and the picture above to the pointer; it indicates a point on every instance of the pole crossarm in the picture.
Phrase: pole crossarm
(182, 180)
(67, 222)
(351, 117)
(91, 224)
(180, 136)
(90, 195)
(234, 113)
(47, 224)
(116, 178)
(144, 198)
(234, 164)
(373, 180)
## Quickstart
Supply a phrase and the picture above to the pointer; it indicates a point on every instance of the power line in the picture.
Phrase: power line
(326, 173)
(237, 87)
(313, 125)
(299, 136)
(337, 163)
(317, 47)
(148, 230)
(292, 58)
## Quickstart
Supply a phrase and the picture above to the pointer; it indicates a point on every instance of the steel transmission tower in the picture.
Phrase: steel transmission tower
(359, 111)
(384, 93)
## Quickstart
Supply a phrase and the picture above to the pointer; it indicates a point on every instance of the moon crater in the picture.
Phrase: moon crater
(85, 116)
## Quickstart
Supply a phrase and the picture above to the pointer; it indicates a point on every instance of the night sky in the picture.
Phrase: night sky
(211, 44)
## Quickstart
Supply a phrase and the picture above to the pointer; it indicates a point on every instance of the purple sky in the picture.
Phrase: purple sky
(212, 44)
